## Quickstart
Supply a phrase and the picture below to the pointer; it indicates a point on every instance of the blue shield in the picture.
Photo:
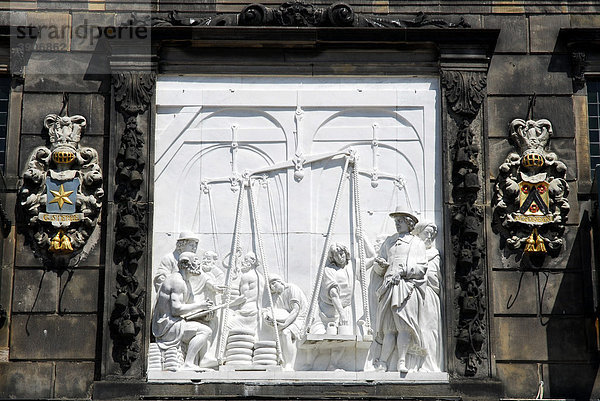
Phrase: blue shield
(62, 195)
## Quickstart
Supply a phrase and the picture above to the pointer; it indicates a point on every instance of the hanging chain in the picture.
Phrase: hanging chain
(261, 250)
(276, 231)
(233, 262)
(361, 247)
(317, 286)
(213, 221)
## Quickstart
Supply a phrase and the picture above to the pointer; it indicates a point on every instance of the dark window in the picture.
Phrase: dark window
(4, 94)
(593, 86)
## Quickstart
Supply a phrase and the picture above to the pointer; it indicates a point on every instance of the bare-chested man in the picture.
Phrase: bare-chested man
(174, 300)
(250, 288)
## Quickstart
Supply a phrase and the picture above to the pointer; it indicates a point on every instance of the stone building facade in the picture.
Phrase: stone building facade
(519, 298)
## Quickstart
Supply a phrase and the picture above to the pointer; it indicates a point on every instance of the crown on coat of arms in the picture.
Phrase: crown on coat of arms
(65, 134)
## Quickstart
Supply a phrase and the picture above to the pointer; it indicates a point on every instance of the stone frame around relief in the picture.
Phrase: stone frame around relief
(436, 54)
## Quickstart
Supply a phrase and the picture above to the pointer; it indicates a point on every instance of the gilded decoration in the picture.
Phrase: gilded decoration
(60, 199)
(530, 201)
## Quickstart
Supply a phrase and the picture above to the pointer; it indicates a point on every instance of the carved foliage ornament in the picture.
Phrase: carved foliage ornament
(60, 199)
(301, 14)
(464, 93)
(530, 199)
(133, 92)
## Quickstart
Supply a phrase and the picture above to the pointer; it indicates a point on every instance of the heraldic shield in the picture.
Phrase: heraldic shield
(534, 203)
(530, 195)
(60, 199)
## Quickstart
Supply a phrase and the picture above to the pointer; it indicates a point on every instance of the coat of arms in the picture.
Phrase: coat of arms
(530, 200)
(61, 195)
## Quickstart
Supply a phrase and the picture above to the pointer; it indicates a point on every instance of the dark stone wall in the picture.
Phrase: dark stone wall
(52, 335)
(541, 325)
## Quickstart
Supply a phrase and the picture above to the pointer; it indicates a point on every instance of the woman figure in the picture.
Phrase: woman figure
(430, 315)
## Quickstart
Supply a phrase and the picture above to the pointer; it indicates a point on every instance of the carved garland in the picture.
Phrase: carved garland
(133, 92)
(465, 93)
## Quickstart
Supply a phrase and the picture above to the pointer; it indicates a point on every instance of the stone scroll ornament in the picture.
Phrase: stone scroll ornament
(60, 199)
(530, 199)
(301, 14)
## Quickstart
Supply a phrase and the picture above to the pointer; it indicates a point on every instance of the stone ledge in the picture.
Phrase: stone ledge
(299, 377)
(483, 390)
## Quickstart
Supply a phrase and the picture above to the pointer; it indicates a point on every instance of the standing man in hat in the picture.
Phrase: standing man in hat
(402, 262)
(187, 242)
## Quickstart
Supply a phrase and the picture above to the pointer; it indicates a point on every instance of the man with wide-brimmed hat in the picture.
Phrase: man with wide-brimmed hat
(187, 242)
(402, 262)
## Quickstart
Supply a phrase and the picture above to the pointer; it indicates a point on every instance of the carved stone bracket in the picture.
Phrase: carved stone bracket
(301, 14)
(465, 91)
(133, 93)
(579, 65)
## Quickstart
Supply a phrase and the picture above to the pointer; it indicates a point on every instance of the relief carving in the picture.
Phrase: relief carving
(305, 292)
(60, 198)
(530, 198)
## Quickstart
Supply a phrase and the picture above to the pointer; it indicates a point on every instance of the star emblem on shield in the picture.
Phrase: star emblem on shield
(62, 195)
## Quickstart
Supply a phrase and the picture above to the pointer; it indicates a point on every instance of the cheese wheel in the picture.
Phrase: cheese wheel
(261, 358)
(265, 344)
(240, 337)
(265, 351)
(239, 351)
(247, 332)
(240, 344)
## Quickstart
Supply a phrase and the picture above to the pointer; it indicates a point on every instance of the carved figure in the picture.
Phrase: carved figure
(530, 199)
(250, 287)
(335, 298)
(174, 302)
(336, 291)
(186, 242)
(290, 308)
(60, 198)
(430, 313)
(209, 265)
(402, 262)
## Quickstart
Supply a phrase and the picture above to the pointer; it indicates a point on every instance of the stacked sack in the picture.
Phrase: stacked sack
(265, 353)
(239, 347)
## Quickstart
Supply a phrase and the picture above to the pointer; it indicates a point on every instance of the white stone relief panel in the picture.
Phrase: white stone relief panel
(291, 182)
